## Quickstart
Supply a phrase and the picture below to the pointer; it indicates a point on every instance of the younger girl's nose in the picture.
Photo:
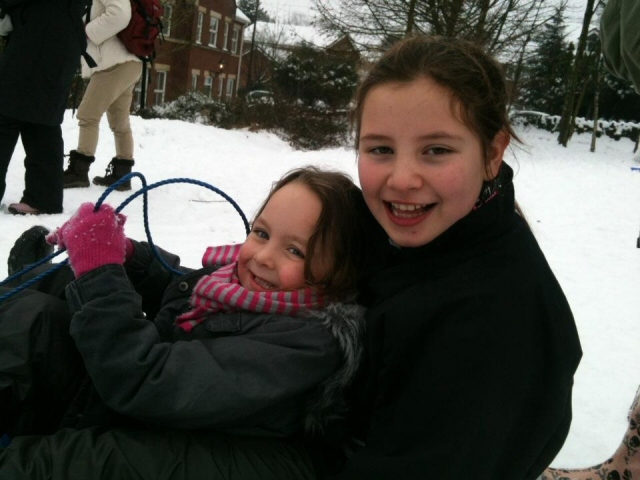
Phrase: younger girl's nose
(264, 257)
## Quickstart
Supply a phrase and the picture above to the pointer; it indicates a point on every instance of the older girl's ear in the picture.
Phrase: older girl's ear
(496, 152)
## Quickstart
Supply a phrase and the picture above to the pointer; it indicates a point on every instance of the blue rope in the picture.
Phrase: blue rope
(145, 211)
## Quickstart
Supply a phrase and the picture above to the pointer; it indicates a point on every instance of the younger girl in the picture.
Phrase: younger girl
(260, 341)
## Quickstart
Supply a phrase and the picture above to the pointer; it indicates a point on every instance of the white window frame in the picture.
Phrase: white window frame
(226, 36)
(214, 25)
(194, 82)
(166, 19)
(230, 85)
(199, 27)
(235, 36)
(160, 88)
(208, 86)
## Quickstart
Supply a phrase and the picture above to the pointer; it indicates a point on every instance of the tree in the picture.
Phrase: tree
(544, 86)
(565, 126)
(316, 77)
(253, 10)
(498, 25)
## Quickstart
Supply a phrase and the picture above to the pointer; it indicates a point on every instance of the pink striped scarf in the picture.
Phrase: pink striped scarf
(221, 292)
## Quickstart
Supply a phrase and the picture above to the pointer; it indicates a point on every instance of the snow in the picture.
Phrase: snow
(583, 207)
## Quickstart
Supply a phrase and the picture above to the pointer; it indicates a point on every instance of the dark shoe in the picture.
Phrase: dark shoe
(29, 248)
(77, 173)
(23, 209)
(117, 168)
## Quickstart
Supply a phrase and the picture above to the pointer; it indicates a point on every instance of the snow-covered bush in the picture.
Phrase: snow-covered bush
(615, 129)
(193, 107)
(304, 127)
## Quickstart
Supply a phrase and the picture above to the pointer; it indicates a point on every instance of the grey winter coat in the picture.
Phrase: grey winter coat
(41, 58)
(245, 373)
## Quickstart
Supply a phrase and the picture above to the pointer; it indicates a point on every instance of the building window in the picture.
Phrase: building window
(226, 36)
(213, 31)
(199, 29)
(230, 82)
(166, 19)
(220, 86)
(208, 84)
(159, 90)
(234, 40)
(194, 82)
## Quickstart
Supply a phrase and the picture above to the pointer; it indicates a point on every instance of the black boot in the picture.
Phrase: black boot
(77, 173)
(28, 248)
(117, 168)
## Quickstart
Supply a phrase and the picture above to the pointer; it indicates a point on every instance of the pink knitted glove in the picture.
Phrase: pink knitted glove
(92, 239)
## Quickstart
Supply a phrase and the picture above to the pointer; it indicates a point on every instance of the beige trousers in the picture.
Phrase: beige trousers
(109, 91)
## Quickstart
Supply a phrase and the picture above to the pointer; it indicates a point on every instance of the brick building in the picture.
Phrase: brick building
(201, 51)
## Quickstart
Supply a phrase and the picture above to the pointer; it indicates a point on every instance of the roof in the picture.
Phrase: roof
(242, 17)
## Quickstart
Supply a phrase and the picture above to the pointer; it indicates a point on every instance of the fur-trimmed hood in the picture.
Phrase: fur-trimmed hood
(345, 321)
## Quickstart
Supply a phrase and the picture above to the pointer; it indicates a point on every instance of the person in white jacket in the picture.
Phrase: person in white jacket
(110, 90)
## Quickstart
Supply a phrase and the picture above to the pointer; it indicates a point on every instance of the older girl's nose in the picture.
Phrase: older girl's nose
(404, 174)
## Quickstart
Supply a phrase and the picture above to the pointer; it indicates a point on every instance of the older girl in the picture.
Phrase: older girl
(470, 344)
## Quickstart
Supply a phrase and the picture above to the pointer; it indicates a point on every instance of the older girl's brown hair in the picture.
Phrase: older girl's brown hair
(337, 235)
(474, 78)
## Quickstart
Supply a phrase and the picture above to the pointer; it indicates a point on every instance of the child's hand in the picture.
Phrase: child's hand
(92, 239)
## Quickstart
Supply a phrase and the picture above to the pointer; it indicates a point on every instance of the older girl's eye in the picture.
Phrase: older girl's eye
(296, 251)
(437, 151)
(380, 150)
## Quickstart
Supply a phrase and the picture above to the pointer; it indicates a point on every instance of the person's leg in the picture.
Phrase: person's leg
(104, 88)
(9, 132)
(40, 367)
(147, 452)
(118, 111)
(44, 167)
(118, 117)
(623, 465)
(30, 247)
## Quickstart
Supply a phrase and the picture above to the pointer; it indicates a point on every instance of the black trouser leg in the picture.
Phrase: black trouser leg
(44, 164)
(9, 132)
(40, 367)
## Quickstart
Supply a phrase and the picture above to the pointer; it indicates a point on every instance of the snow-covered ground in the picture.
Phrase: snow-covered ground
(584, 208)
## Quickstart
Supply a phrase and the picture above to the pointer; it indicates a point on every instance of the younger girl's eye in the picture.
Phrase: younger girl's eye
(296, 251)
(260, 233)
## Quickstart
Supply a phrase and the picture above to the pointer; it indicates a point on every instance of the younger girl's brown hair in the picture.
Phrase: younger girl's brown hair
(337, 235)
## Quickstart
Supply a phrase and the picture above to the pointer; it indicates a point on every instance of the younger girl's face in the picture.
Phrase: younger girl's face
(421, 169)
(273, 255)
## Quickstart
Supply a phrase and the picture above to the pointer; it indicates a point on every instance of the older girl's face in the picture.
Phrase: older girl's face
(421, 169)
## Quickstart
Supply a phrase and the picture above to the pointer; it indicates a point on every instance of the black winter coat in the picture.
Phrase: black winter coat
(470, 353)
(41, 58)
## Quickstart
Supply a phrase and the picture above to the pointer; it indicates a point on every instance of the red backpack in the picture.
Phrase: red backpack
(139, 37)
